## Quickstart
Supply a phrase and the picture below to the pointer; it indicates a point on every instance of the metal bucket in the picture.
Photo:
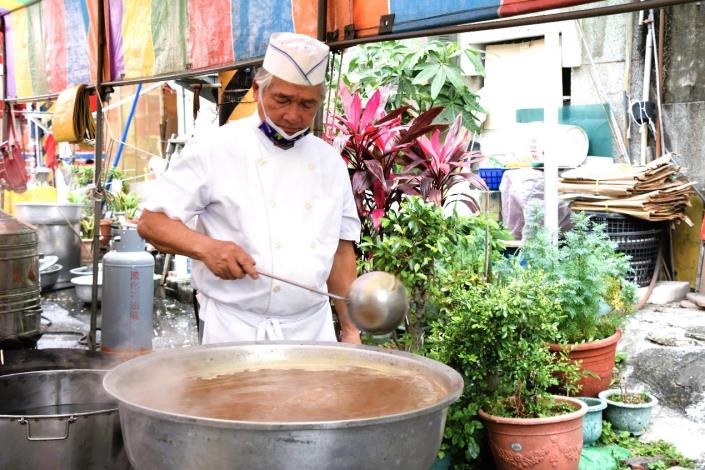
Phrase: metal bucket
(20, 314)
(19, 280)
(160, 439)
(60, 419)
(58, 227)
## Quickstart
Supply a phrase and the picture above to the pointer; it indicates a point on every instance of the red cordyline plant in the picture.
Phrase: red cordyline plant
(371, 143)
(433, 166)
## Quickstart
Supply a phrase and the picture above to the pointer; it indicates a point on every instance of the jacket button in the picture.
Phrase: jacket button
(307, 205)
(276, 289)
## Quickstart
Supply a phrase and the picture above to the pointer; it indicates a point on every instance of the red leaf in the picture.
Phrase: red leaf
(354, 113)
(361, 181)
(375, 168)
(370, 110)
(377, 215)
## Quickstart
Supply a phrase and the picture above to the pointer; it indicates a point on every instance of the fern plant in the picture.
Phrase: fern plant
(593, 292)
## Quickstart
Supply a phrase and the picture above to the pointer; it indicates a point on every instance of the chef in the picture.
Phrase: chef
(269, 196)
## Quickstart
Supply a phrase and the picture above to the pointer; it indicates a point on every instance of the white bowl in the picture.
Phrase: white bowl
(84, 286)
(85, 270)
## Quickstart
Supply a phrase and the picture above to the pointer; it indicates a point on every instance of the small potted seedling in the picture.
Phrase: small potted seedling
(628, 410)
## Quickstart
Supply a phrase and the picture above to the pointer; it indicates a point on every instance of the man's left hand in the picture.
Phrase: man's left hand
(350, 336)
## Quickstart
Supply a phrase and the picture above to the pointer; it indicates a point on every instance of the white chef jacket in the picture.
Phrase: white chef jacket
(287, 208)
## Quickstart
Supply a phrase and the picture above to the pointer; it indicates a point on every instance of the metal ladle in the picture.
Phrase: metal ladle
(377, 302)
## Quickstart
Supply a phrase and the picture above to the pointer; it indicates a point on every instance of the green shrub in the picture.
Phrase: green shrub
(418, 243)
(496, 334)
(590, 273)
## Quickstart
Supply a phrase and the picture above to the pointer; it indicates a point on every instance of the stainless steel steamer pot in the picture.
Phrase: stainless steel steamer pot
(157, 439)
(59, 419)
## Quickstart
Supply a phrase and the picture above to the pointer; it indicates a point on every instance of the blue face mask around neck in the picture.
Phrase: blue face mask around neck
(276, 134)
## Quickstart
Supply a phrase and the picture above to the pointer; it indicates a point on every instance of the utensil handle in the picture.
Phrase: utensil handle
(294, 283)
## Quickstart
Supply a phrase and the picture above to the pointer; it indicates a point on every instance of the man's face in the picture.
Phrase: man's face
(292, 107)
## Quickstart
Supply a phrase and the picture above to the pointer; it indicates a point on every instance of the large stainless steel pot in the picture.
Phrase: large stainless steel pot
(158, 439)
(20, 310)
(59, 419)
(58, 227)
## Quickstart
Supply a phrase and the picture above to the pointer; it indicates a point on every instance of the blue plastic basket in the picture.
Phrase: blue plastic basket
(492, 177)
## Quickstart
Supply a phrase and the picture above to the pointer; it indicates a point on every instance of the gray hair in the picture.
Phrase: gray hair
(263, 78)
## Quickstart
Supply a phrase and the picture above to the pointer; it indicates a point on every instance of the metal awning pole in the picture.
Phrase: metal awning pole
(97, 202)
(3, 133)
(321, 36)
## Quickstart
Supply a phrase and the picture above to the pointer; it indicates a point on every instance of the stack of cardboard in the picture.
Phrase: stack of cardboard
(655, 192)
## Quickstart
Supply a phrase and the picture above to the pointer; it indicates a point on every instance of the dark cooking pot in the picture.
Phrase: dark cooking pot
(59, 419)
(162, 439)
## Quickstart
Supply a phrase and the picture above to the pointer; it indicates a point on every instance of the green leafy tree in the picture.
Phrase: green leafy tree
(418, 73)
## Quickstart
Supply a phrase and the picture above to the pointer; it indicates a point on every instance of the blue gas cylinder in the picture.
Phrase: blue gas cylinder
(127, 296)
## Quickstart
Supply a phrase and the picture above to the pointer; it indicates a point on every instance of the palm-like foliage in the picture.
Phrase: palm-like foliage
(434, 166)
(371, 143)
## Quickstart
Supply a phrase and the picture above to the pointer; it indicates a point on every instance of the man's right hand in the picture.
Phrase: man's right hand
(228, 260)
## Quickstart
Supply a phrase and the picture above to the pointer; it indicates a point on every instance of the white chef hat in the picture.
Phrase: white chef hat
(296, 58)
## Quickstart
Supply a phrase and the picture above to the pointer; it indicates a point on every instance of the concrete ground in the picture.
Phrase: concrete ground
(664, 345)
(67, 320)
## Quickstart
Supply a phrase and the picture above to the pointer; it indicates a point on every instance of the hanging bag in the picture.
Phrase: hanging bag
(14, 169)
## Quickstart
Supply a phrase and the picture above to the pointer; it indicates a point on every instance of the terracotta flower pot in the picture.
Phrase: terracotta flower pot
(597, 357)
(552, 443)
(105, 231)
(86, 251)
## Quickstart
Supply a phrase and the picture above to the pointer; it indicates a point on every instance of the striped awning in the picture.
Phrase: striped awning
(51, 44)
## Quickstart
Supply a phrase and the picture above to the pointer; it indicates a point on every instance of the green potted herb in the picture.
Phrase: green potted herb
(125, 205)
(593, 293)
(628, 410)
(496, 334)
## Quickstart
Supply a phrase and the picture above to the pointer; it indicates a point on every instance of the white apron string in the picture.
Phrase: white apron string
(269, 330)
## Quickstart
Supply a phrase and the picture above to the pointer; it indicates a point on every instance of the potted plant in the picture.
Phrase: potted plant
(592, 422)
(417, 242)
(86, 223)
(592, 291)
(628, 410)
(124, 206)
(496, 333)
(370, 142)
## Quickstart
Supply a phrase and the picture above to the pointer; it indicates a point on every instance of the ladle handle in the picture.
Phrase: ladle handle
(294, 283)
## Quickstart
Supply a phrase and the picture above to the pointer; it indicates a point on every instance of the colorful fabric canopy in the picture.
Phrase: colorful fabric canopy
(10, 5)
(51, 44)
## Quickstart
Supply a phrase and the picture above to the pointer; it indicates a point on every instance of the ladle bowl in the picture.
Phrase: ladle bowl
(377, 302)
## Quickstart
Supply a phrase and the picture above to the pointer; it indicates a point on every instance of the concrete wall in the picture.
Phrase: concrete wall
(600, 78)
(684, 78)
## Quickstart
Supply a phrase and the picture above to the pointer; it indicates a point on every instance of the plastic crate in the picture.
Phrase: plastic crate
(492, 177)
(642, 249)
(639, 239)
(618, 223)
